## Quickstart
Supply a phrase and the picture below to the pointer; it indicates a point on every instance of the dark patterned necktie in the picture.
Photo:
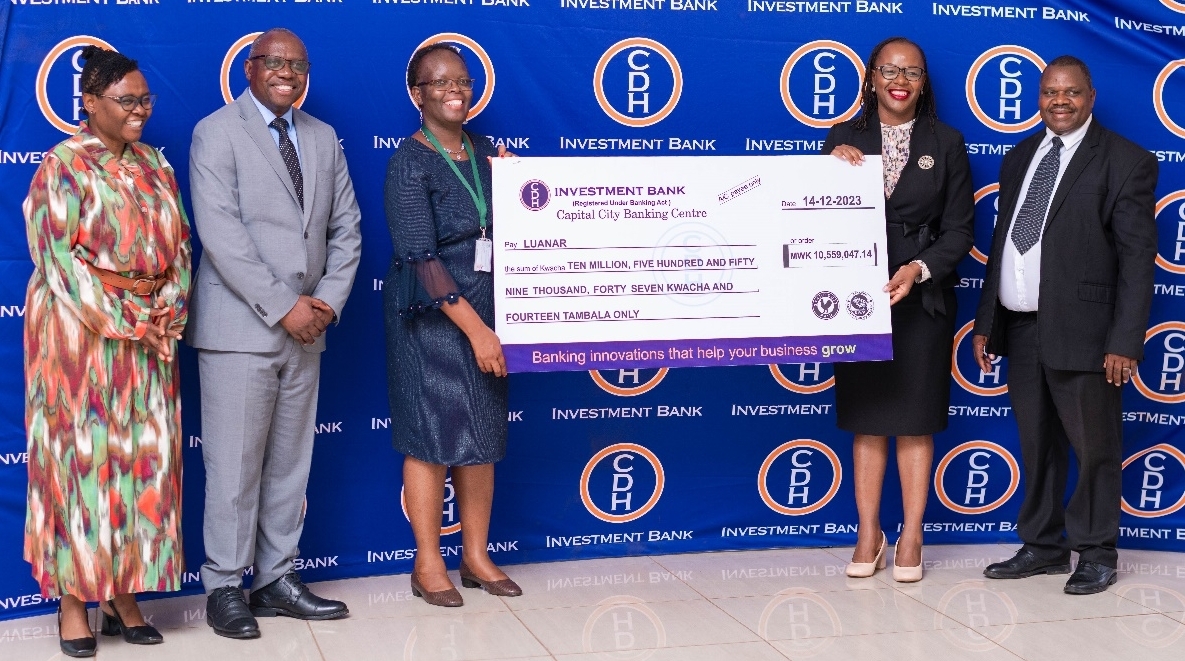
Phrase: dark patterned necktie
(288, 153)
(1031, 219)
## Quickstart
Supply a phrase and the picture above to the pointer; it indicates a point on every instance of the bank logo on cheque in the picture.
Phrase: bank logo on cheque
(1154, 482)
(59, 82)
(628, 382)
(976, 477)
(638, 82)
(996, 88)
(476, 59)
(622, 483)
(966, 372)
(804, 378)
(987, 208)
(1158, 376)
(232, 69)
(799, 477)
(821, 83)
(825, 305)
(534, 195)
(1170, 218)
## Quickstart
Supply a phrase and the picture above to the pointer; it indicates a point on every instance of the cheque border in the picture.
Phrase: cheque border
(697, 353)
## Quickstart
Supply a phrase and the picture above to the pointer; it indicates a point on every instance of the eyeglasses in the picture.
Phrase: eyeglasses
(129, 102)
(441, 84)
(275, 63)
(890, 72)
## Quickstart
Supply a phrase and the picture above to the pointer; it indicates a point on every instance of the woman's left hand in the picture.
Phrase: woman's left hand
(502, 153)
(902, 282)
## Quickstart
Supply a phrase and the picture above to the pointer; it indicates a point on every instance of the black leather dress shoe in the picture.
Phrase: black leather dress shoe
(288, 596)
(228, 615)
(1026, 563)
(1091, 578)
(142, 635)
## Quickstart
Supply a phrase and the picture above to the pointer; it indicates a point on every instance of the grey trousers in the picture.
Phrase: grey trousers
(258, 418)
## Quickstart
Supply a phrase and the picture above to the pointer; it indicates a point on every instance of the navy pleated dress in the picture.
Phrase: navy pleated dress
(444, 410)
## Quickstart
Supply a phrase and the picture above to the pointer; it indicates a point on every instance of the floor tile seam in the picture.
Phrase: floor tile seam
(1077, 619)
(759, 640)
(528, 629)
(698, 597)
(674, 573)
(1154, 610)
(316, 643)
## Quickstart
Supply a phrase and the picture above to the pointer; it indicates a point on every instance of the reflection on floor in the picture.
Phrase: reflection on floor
(741, 606)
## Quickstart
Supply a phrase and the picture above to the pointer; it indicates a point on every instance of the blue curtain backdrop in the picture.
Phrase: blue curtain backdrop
(624, 462)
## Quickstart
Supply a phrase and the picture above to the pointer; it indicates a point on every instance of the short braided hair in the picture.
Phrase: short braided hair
(104, 68)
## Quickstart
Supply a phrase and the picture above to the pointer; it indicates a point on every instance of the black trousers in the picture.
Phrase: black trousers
(1057, 410)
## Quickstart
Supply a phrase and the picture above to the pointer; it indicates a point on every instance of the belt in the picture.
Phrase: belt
(141, 285)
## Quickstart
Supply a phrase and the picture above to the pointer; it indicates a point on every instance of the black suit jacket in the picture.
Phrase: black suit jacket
(1098, 250)
(931, 214)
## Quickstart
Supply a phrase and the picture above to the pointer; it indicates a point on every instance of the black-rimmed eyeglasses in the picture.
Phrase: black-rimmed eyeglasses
(275, 63)
(441, 84)
(890, 72)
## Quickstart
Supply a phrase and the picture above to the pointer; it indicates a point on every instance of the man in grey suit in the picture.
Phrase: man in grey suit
(275, 210)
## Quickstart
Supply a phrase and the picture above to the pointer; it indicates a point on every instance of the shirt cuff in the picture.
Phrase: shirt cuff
(925, 271)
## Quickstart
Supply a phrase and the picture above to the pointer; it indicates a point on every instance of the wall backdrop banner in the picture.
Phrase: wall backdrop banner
(630, 461)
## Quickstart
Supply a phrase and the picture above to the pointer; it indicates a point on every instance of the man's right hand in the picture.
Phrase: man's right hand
(979, 348)
(304, 322)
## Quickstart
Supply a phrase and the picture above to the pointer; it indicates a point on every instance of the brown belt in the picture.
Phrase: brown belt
(141, 285)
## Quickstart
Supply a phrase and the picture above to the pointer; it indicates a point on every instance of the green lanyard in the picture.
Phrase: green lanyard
(479, 196)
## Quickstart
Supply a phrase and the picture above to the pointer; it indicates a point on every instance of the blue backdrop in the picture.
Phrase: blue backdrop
(625, 461)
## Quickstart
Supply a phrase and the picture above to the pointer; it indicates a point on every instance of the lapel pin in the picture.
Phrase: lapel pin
(926, 162)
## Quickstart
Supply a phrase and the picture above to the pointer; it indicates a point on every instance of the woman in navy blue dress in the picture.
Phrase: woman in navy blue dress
(446, 371)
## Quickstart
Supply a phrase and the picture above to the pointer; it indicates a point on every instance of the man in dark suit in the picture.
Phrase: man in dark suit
(1066, 298)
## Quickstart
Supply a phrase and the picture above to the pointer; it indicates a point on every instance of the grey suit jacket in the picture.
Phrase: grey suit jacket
(260, 251)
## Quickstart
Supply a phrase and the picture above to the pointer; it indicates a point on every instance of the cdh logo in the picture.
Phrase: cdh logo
(1175, 238)
(1165, 373)
(614, 476)
(631, 79)
(802, 620)
(60, 79)
(961, 360)
(1004, 104)
(470, 51)
(966, 472)
(824, 90)
(1174, 5)
(534, 195)
(987, 205)
(629, 640)
(804, 378)
(450, 520)
(1158, 94)
(235, 56)
(804, 474)
(1158, 474)
(628, 383)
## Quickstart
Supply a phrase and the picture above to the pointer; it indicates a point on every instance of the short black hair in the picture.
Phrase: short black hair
(104, 68)
(413, 67)
(1071, 61)
(868, 102)
(271, 33)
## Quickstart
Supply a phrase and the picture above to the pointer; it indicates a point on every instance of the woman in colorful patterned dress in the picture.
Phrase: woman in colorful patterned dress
(930, 216)
(106, 304)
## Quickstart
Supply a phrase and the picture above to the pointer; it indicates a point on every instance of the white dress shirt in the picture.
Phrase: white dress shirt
(268, 116)
(1020, 275)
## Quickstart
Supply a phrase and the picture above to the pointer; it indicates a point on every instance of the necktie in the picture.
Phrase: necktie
(288, 153)
(1031, 219)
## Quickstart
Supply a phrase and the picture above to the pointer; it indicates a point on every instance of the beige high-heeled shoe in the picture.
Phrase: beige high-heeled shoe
(866, 569)
(906, 574)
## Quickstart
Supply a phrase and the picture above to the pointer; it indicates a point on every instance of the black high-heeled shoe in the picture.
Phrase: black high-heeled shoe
(77, 647)
(142, 635)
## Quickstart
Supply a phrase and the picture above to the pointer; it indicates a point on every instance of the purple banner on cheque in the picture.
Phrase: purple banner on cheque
(560, 357)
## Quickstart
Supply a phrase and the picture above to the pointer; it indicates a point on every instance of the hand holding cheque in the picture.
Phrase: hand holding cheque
(681, 261)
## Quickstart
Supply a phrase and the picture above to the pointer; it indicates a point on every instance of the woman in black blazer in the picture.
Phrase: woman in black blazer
(930, 215)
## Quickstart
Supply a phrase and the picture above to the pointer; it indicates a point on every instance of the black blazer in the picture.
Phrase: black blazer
(1098, 251)
(931, 214)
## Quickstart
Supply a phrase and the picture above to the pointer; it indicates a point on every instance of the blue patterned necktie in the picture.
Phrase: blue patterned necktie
(1031, 219)
(288, 153)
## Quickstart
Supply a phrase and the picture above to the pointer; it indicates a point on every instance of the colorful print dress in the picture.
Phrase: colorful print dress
(102, 411)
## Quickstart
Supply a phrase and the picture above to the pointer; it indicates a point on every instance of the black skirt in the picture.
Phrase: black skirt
(909, 395)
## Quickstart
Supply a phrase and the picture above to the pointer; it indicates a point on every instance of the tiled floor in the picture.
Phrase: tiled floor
(744, 606)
